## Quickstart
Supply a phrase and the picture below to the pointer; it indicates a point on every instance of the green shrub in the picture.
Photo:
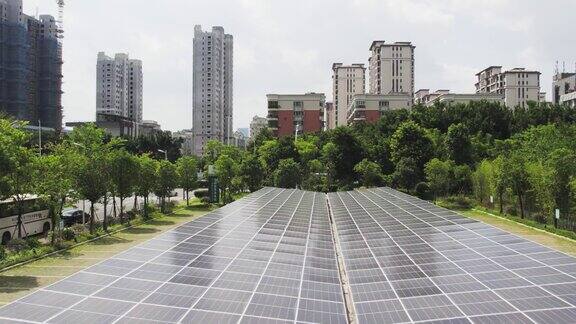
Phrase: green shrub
(68, 234)
(33, 242)
(511, 210)
(541, 219)
(201, 193)
(17, 245)
(423, 191)
(205, 200)
(131, 215)
(457, 202)
(78, 229)
(3, 253)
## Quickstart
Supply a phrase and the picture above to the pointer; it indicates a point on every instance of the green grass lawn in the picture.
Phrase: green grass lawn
(548, 239)
(20, 281)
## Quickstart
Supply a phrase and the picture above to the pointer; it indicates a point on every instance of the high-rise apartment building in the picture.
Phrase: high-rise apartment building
(391, 68)
(291, 113)
(347, 81)
(30, 67)
(564, 88)
(212, 87)
(119, 87)
(257, 125)
(518, 85)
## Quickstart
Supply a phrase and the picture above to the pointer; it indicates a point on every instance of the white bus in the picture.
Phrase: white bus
(35, 218)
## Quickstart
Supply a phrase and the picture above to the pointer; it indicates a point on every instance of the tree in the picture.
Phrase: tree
(462, 180)
(54, 181)
(90, 174)
(498, 185)
(288, 174)
(481, 180)
(517, 178)
(124, 173)
(9, 139)
(407, 174)
(540, 179)
(147, 179)
(187, 168)
(17, 169)
(345, 154)
(151, 144)
(272, 151)
(226, 169)
(166, 181)
(252, 172)
(563, 166)
(316, 180)
(411, 143)
(459, 144)
(329, 157)
(439, 175)
(370, 173)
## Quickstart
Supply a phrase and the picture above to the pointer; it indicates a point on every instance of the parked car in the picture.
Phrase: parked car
(74, 216)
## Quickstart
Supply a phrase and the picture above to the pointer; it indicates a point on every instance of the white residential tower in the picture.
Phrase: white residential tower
(212, 87)
(119, 87)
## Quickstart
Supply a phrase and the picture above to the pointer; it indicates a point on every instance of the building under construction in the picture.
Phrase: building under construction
(30, 67)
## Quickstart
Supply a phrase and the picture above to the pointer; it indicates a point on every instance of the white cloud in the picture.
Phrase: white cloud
(411, 11)
(289, 46)
(457, 77)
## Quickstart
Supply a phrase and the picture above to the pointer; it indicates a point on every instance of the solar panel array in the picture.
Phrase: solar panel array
(272, 257)
(263, 259)
(410, 261)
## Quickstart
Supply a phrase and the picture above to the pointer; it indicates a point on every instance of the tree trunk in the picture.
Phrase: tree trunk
(114, 206)
(105, 218)
(91, 217)
(19, 222)
(53, 218)
(60, 210)
(145, 207)
(122, 210)
(135, 208)
(501, 198)
(187, 198)
(521, 204)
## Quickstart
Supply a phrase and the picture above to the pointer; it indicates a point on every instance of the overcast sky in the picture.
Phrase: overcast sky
(288, 46)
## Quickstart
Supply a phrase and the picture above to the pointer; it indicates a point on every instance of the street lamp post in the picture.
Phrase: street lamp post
(165, 154)
(296, 131)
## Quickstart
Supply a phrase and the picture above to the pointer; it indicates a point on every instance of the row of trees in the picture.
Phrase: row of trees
(86, 164)
(444, 150)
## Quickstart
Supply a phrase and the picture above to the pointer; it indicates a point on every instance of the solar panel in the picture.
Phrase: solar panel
(408, 260)
(265, 258)
(274, 256)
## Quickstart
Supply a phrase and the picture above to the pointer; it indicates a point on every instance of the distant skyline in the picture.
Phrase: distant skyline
(289, 47)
